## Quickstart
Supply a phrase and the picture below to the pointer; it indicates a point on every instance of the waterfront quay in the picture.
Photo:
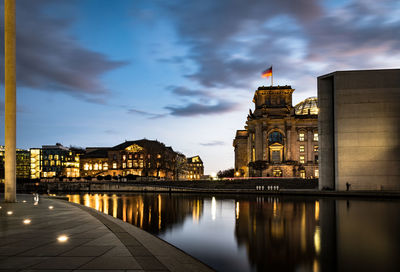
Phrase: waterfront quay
(49, 234)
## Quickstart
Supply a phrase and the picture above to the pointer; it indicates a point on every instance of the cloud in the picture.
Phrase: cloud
(213, 143)
(232, 41)
(186, 92)
(145, 113)
(49, 59)
(193, 109)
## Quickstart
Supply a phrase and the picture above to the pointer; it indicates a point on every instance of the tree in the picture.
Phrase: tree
(228, 173)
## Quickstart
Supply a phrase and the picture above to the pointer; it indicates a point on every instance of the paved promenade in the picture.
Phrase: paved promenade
(55, 235)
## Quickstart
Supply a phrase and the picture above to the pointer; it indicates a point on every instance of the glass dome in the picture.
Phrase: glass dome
(307, 106)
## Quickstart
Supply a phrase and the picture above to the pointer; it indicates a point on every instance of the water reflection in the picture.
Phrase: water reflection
(255, 233)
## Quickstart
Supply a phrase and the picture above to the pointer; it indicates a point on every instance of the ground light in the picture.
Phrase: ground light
(62, 238)
(9, 212)
(27, 221)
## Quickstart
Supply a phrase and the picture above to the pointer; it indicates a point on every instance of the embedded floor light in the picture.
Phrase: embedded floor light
(51, 207)
(9, 212)
(27, 221)
(62, 238)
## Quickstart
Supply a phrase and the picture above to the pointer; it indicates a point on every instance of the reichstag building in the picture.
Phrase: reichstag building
(279, 140)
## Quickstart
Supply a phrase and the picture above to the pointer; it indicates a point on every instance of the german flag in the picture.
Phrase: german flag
(267, 73)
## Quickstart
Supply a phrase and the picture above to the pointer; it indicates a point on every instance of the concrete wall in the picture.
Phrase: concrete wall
(363, 108)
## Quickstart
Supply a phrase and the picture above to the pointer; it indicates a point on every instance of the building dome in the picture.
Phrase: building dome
(307, 106)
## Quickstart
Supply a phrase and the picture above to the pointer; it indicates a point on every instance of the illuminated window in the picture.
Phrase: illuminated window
(141, 156)
(135, 164)
(129, 164)
(302, 174)
(86, 166)
(90, 166)
(302, 148)
(51, 163)
(315, 136)
(316, 173)
(301, 136)
(158, 156)
(253, 155)
(141, 164)
(105, 166)
(114, 165)
(316, 158)
(148, 156)
(130, 156)
(50, 157)
(136, 156)
(315, 148)
(302, 160)
(124, 157)
(124, 165)
(96, 166)
(100, 166)
(58, 163)
(56, 157)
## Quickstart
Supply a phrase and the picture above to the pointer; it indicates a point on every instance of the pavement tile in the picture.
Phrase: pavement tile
(19, 262)
(118, 251)
(105, 262)
(88, 251)
(150, 263)
(62, 263)
(139, 251)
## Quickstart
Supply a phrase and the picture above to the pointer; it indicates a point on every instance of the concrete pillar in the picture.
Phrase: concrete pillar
(10, 101)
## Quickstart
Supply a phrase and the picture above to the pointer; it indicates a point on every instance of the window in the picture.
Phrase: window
(56, 157)
(315, 148)
(141, 163)
(316, 173)
(50, 157)
(51, 163)
(301, 136)
(253, 155)
(158, 156)
(275, 156)
(114, 157)
(316, 136)
(129, 164)
(275, 137)
(124, 157)
(302, 174)
(316, 158)
(124, 165)
(96, 166)
(130, 156)
(302, 160)
(114, 165)
(86, 166)
(141, 156)
(90, 166)
(105, 166)
(302, 148)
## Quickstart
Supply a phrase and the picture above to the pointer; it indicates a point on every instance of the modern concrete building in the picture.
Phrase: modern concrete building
(359, 130)
(279, 140)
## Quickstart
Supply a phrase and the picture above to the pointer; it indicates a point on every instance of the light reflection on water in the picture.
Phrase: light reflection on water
(257, 233)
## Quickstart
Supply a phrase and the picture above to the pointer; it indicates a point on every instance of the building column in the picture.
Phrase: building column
(310, 137)
(10, 101)
(258, 143)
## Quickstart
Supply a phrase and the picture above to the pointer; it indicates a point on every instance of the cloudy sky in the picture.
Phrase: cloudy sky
(99, 72)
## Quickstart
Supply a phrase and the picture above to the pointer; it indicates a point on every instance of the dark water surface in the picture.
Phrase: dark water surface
(260, 233)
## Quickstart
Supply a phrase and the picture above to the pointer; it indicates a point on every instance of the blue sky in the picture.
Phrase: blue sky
(98, 72)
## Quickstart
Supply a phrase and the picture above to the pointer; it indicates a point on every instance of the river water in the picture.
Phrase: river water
(264, 233)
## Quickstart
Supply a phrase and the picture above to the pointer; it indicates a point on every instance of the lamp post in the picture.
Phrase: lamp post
(10, 101)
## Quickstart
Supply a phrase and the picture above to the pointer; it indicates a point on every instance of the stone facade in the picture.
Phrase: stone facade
(195, 168)
(279, 140)
(360, 130)
(144, 158)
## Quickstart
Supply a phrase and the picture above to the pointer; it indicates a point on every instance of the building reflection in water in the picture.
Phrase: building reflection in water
(270, 233)
(152, 212)
(279, 235)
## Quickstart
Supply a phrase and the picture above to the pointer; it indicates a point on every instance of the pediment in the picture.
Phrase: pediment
(134, 148)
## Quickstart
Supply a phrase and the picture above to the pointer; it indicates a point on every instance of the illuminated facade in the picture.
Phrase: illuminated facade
(279, 140)
(22, 160)
(54, 161)
(195, 168)
(144, 158)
